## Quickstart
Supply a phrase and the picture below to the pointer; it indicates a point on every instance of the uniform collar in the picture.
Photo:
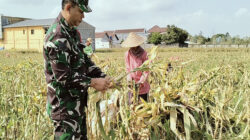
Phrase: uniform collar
(62, 20)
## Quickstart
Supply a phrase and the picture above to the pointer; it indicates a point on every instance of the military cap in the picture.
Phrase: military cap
(83, 4)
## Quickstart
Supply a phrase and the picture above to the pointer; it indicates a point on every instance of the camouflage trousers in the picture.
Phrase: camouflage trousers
(71, 129)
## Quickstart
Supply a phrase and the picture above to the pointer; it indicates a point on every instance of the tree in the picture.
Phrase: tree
(175, 35)
(222, 39)
(193, 39)
(237, 40)
(201, 39)
(155, 38)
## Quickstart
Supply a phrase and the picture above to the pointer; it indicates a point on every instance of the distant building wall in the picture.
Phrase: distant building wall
(5, 20)
(87, 31)
(102, 43)
(1, 43)
(24, 38)
(31, 37)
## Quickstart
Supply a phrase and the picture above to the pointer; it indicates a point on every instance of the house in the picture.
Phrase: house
(6, 20)
(123, 34)
(113, 39)
(102, 40)
(157, 29)
(29, 34)
(107, 39)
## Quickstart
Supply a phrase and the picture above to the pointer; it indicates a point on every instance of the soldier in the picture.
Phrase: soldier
(69, 72)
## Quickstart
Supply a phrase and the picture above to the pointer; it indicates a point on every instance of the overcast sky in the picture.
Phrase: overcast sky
(195, 16)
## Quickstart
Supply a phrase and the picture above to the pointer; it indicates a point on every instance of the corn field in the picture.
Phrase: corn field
(204, 96)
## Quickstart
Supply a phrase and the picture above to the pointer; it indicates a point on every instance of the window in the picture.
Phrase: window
(45, 30)
(32, 31)
(24, 32)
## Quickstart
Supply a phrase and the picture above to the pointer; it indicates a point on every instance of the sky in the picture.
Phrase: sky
(208, 17)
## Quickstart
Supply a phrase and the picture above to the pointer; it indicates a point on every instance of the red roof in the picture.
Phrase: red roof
(113, 33)
(106, 33)
(130, 30)
(99, 35)
(109, 32)
(157, 29)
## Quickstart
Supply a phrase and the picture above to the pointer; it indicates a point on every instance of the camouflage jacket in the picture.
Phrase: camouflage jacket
(68, 71)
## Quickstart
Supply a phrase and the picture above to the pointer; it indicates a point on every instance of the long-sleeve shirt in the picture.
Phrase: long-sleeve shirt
(88, 50)
(133, 62)
(68, 71)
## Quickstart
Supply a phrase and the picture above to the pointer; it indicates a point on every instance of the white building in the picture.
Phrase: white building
(104, 40)
(113, 39)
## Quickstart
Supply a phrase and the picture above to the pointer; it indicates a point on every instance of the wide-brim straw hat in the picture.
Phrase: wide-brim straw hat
(133, 40)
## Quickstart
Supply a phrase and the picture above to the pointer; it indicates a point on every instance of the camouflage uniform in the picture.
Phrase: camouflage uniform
(68, 73)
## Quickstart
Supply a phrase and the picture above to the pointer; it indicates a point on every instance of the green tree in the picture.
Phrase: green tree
(155, 38)
(193, 39)
(201, 39)
(237, 40)
(222, 39)
(174, 35)
(228, 39)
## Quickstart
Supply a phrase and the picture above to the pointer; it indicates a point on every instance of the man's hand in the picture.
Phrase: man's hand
(100, 84)
(110, 82)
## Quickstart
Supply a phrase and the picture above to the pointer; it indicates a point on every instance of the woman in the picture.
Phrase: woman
(134, 58)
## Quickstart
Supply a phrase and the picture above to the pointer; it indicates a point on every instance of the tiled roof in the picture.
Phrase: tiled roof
(99, 35)
(114, 33)
(110, 32)
(157, 29)
(130, 30)
(107, 34)
(34, 22)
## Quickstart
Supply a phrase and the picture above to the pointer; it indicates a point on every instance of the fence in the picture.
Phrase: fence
(143, 45)
(22, 44)
(198, 46)
(218, 46)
